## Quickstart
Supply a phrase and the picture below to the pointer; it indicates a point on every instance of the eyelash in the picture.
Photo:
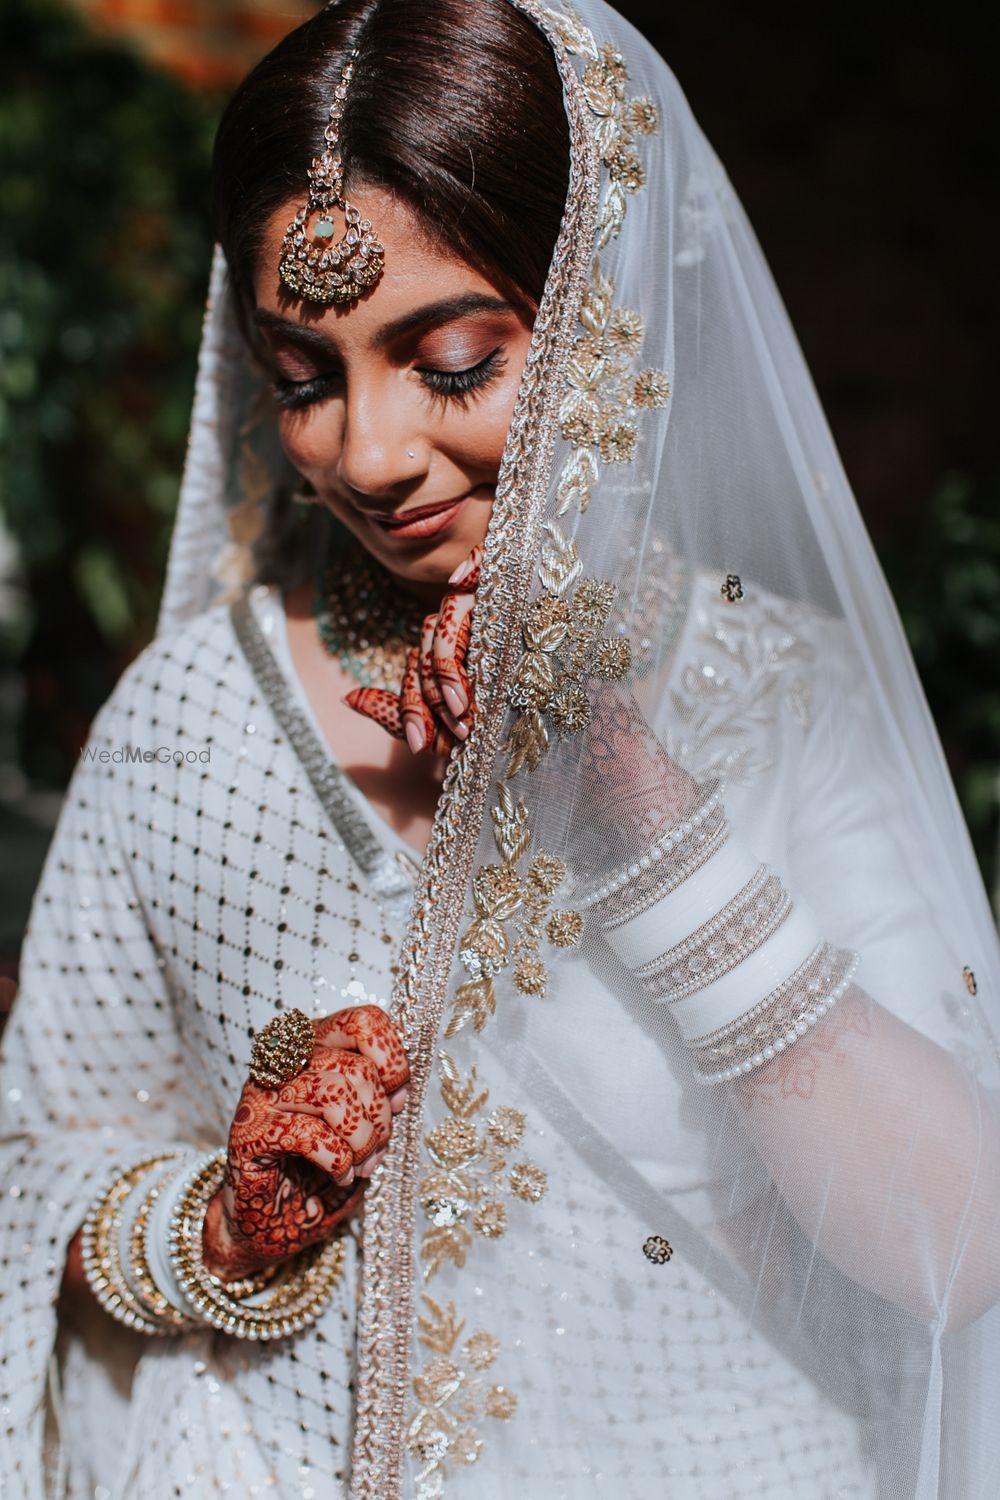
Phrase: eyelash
(444, 385)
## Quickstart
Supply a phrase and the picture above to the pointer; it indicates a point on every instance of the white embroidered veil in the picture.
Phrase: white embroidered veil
(835, 1262)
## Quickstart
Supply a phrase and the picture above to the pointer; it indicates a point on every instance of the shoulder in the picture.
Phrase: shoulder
(174, 677)
(753, 673)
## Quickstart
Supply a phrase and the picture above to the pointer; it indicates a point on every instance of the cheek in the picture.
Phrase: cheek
(480, 431)
(311, 439)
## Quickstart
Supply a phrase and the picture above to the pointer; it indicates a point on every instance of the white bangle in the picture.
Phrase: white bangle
(158, 1230)
(684, 909)
(103, 1263)
(779, 1021)
(130, 1213)
(726, 999)
(671, 851)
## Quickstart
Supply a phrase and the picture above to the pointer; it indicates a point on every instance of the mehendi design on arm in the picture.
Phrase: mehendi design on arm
(794, 1072)
(640, 790)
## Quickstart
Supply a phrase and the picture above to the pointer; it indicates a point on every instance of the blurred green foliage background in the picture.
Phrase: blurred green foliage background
(104, 254)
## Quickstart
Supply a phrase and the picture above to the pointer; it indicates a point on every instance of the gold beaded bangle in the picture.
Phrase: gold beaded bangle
(150, 1293)
(101, 1252)
(295, 1300)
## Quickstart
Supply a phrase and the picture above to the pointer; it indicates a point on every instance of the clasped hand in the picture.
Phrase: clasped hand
(435, 705)
(300, 1155)
(634, 790)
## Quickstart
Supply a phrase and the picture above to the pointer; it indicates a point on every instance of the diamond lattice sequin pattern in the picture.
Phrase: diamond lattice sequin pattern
(186, 899)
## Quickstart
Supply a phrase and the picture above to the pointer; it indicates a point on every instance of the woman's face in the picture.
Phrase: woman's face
(396, 407)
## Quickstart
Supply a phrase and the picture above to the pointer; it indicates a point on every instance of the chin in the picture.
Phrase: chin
(431, 567)
(432, 563)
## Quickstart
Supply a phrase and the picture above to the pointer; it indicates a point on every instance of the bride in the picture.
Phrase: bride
(510, 1009)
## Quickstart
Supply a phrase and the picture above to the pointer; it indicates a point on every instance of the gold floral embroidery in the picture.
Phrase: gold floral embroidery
(472, 1169)
(617, 119)
(605, 393)
(452, 1396)
(563, 646)
(565, 642)
(599, 410)
(504, 897)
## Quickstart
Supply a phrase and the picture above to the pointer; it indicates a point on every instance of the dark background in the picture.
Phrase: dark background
(862, 139)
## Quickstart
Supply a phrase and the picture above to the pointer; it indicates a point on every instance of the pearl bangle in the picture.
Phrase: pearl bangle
(674, 917)
(669, 845)
(158, 1229)
(768, 1035)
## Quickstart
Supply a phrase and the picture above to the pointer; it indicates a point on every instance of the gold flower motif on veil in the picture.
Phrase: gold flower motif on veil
(605, 394)
(452, 1396)
(472, 1183)
(472, 1170)
(564, 646)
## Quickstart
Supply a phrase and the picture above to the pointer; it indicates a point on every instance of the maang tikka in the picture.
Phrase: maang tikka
(310, 265)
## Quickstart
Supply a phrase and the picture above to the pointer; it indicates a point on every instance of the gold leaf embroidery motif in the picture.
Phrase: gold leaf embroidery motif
(606, 394)
(452, 1396)
(566, 640)
(617, 119)
(564, 645)
(505, 898)
(463, 1194)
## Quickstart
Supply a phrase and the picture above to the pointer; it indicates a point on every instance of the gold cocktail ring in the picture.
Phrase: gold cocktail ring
(282, 1049)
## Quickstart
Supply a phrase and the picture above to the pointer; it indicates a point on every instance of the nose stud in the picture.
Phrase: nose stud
(410, 453)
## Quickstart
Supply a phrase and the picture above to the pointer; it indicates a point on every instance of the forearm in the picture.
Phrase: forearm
(884, 1148)
(888, 1154)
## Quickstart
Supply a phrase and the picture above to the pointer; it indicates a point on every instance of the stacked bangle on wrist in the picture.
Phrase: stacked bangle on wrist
(294, 1299)
(106, 1229)
(143, 1257)
(717, 938)
(667, 862)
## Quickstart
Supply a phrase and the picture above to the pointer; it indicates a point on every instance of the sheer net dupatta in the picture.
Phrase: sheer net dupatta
(588, 1271)
(700, 1172)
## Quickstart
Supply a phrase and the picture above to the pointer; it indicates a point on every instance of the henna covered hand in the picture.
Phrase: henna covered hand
(636, 792)
(299, 1154)
(433, 708)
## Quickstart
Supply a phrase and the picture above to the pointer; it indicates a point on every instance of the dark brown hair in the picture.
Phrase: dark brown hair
(454, 105)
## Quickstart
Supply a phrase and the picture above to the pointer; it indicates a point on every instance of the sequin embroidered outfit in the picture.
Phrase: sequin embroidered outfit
(670, 522)
(179, 904)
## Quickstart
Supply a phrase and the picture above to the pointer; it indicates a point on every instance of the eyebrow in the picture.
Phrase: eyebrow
(432, 314)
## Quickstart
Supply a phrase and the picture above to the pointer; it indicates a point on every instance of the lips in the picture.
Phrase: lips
(404, 517)
(423, 520)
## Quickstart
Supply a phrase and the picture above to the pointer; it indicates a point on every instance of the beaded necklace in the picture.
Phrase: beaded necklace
(364, 618)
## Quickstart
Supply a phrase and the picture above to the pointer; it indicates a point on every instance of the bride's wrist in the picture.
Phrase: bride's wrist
(715, 936)
(227, 1255)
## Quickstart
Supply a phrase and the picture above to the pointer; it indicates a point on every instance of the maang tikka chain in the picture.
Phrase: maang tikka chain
(310, 265)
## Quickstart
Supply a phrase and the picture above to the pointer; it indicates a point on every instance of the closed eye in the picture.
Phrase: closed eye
(447, 385)
(293, 395)
(458, 384)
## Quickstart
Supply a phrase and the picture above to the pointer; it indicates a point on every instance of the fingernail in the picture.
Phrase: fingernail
(462, 571)
(414, 736)
(399, 1098)
(455, 699)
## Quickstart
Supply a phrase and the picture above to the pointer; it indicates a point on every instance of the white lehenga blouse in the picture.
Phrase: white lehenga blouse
(180, 903)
